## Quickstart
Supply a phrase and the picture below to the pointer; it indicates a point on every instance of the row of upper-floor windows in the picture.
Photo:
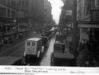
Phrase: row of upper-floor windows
(84, 7)
(96, 3)
(18, 4)
(7, 12)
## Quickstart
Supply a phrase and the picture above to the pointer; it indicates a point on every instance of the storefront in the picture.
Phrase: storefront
(8, 29)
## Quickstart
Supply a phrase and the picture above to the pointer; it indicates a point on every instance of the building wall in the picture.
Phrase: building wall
(87, 10)
(95, 10)
(12, 13)
(19, 16)
(68, 6)
(83, 9)
(47, 11)
(83, 14)
(40, 13)
(14, 6)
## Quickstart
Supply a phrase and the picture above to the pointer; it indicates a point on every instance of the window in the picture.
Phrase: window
(87, 7)
(8, 13)
(13, 14)
(28, 43)
(8, 3)
(33, 43)
(0, 28)
(97, 3)
(13, 3)
(2, 12)
(3, 2)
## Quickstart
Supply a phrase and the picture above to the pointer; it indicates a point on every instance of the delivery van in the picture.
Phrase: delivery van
(33, 47)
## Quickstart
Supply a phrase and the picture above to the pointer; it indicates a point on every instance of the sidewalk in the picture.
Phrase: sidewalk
(8, 60)
(68, 50)
(6, 48)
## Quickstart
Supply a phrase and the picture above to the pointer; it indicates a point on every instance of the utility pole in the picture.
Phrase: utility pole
(75, 35)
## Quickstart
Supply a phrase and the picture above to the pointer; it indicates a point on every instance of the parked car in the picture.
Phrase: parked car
(45, 42)
(59, 57)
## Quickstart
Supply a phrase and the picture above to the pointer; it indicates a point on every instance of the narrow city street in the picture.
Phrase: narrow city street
(15, 53)
(65, 31)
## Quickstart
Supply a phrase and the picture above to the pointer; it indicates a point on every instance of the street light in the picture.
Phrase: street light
(75, 28)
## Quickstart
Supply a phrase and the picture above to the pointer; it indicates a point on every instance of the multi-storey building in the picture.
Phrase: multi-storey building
(83, 9)
(88, 22)
(66, 18)
(47, 11)
(12, 13)
(95, 10)
(40, 12)
(20, 16)
(87, 14)
(83, 15)
(87, 10)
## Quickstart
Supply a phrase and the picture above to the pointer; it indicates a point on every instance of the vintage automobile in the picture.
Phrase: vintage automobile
(59, 57)
(48, 34)
(45, 42)
(33, 48)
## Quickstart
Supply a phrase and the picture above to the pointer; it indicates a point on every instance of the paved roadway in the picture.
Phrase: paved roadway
(16, 52)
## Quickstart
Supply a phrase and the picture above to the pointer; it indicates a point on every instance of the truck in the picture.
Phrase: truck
(33, 49)
(59, 56)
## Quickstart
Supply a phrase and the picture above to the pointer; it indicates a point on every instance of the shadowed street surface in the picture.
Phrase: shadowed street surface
(15, 51)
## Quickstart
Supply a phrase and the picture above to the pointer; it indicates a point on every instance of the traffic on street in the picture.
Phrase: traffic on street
(49, 33)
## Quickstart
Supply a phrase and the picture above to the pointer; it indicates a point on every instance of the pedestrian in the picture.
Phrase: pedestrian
(83, 54)
(83, 58)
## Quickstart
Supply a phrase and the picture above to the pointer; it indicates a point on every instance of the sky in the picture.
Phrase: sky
(56, 9)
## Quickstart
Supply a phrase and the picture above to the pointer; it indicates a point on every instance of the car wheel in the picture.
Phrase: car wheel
(42, 49)
(38, 54)
(52, 61)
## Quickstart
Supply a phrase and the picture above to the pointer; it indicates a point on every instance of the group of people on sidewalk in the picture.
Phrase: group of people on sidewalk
(87, 56)
(10, 42)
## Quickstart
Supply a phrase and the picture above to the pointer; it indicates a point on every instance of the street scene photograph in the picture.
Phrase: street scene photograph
(62, 33)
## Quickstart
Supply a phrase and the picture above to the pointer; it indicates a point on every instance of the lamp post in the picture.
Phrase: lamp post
(75, 35)
(14, 21)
